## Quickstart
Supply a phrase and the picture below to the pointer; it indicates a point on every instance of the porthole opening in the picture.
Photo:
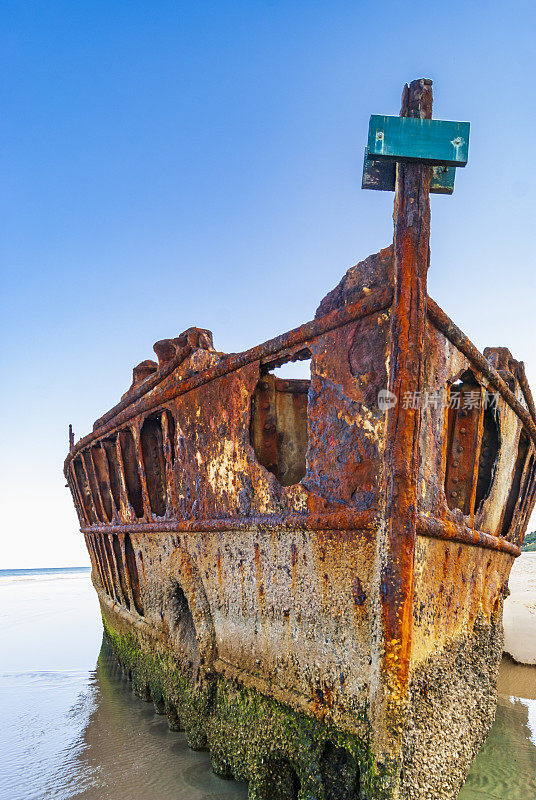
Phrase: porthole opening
(529, 485)
(278, 427)
(515, 488)
(470, 462)
(110, 448)
(120, 569)
(101, 474)
(152, 448)
(133, 574)
(132, 476)
(489, 453)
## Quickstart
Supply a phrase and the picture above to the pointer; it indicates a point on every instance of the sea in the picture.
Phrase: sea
(71, 728)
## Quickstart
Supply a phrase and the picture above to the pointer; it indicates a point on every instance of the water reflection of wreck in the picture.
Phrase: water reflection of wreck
(309, 575)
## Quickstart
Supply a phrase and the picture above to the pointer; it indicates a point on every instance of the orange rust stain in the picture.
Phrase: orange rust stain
(258, 573)
(293, 563)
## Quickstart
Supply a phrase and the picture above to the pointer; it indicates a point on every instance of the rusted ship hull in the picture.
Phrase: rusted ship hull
(308, 576)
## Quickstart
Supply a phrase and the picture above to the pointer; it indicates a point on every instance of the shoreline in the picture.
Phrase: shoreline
(519, 615)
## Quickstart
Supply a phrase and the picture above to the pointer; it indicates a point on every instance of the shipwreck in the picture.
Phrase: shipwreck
(307, 576)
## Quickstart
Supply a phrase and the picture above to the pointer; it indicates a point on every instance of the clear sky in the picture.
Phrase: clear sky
(167, 164)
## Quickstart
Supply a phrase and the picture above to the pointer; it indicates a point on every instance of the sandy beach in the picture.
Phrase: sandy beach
(520, 611)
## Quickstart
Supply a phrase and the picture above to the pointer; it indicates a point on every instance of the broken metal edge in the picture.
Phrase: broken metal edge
(457, 337)
(374, 303)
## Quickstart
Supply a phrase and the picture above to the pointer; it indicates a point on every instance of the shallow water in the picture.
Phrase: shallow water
(71, 728)
(506, 766)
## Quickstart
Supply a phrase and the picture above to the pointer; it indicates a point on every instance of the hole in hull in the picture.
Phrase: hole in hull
(110, 448)
(120, 568)
(489, 453)
(515, 488)
(100, 464)
(278, 426)
(152, 448)
(132, 476)
(132, 567)
(470, 462)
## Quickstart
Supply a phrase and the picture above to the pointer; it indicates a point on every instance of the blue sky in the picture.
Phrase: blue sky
(167, 164)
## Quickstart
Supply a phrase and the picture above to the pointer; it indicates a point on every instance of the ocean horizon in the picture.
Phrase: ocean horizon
(41, 570)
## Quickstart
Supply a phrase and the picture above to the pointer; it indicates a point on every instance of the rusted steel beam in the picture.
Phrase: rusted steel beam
(96, 486)
(137, 403)
(349, 519)
(128, 581)
(92, 504)
(123, 494)
(99, 546)
(458, 338)
(516, 525)
(408, 323)
(444, 529)
(114, 568)
(525, 388)
(95, 563)
(169, 445)
(106, 469)
(140, 466)
(354, 521)
(77, 495)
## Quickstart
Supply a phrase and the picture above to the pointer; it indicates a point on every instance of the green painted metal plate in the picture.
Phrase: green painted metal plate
(442, 180)
(380, 174)
(431, 141)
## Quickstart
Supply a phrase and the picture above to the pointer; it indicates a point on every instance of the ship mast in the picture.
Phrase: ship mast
(412, 155)
(411, 256)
